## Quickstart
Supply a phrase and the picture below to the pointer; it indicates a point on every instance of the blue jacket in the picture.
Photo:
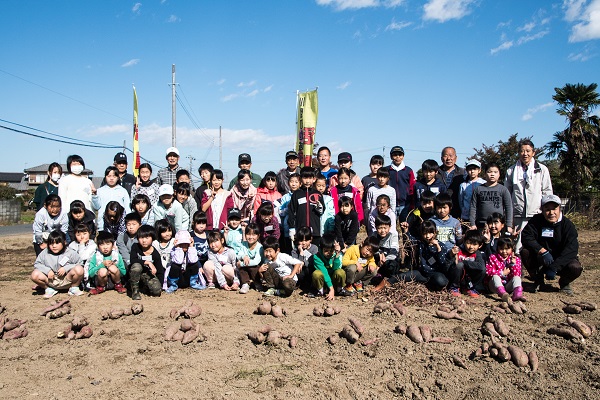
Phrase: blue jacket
(403, 182)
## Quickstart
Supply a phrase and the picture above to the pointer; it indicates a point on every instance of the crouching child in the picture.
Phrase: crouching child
(468, 270)
(328, 269)
(185, 265)
(146, 267)
(106, 266)
(279, 274)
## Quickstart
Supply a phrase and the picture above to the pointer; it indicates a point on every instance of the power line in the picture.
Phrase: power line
(102, 146)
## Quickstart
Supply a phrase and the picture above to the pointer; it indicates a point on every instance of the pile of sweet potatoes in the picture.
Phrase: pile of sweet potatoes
(188, 311)
(510, 307)
(396, 308)
(503, 353)
(184, 331)
(269, 336)
(421, 334)
(12, 328)
(573, 329)
(577, 308)
(79, 328)
(351, 332)
(57, 309)
(117, 313)
(493, 326)
(326, 310)
(271, 308)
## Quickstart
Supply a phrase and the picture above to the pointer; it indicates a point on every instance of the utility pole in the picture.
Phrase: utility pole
(173, 107)
(124, 146)
(192, 159)
(220, 149)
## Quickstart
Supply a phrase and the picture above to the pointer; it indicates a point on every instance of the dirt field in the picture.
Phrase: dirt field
(127, 357)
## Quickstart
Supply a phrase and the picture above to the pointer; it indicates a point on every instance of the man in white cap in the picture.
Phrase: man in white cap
(550, 247)
(168, 174)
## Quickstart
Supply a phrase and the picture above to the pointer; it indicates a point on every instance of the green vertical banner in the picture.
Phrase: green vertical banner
(308, 111)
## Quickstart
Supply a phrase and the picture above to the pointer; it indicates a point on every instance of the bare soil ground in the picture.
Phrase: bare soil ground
(127, 357)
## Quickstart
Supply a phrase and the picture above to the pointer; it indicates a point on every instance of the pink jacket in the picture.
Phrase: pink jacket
(497, 264)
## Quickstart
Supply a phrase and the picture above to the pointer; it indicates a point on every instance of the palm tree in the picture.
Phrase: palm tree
(575, 145)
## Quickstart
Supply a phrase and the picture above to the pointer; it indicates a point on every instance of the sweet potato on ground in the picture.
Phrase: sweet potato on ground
(263, 308)
(357, 326)
(350, 334)
(318, 311)
(414, 333)
(53, 307)
(572, 309)
(277, 311)
(16, 333)
(329, 311)
(191, 335)
(116, 313)
(399, 307)
(518, 356)
(534, 362)
(187, 325)
(381, 307)
(192, 311)
(333, 339)
(84, 333)
(565, 331)
(293, 341)
(458, 362)
(448, 315)
(78, 322)
(11, 324)
(401, 329)
(171, 331)
(581, 327)
(137, 308)
(425, 333)
(256, 337)
(273, 338)
(59, 312)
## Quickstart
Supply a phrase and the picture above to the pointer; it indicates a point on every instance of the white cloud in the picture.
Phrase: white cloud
(587, 18)
(445, 10)
(253, 93)
(246, 84)
(396, 26)
(503, 24)
(130, 63)
(229, 97)
(528, 27)
(529, 38)
(343, 85)
(106, 130)
(268, 88)
(136, 8)
(173, 18)
(582, 56)
(504, 46)
(530, 112)
(357, 4)
(221, 81)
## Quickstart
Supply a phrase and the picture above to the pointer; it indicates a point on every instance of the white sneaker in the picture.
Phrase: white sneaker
(75, 291)
(245, 288)
(49, 292)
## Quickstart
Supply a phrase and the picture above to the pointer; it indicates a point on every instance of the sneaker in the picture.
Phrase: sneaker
(272, 292)
(473, 293)
(172, 289)
(210, 285)
(120, 288)
(350, 288)
(344, 293)
(455, 292)
(75, 291)
(358, 286)
(567, 290)
(97, 290)
(245, 288)
(49, 292)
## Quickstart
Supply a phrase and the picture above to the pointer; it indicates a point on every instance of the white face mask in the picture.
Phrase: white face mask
(77, 169)
(55, 177)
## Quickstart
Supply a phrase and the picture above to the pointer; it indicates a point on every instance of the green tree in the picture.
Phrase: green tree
(574, 145)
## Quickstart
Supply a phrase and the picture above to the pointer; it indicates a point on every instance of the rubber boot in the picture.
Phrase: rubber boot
(135, 291)
(196, 282)
(172, 285)
(502, 293)
(517, 294)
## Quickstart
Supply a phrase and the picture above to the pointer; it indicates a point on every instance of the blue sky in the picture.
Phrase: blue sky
(420, 74)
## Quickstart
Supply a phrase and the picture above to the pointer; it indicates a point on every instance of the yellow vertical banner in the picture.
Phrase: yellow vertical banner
(136, 143)
(306, 121)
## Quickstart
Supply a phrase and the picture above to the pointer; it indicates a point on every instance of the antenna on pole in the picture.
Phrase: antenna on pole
(173, 107)
(220, 149)
(192, 159)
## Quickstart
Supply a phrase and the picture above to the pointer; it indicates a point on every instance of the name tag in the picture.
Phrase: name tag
(435, 190)
(348, 194)
(302, 200)
(306, 253)
(268, 228)
(63, 261)
(547, 232)
(362, 260)
(146, 258)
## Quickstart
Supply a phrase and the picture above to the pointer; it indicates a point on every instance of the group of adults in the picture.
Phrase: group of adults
(548, 241)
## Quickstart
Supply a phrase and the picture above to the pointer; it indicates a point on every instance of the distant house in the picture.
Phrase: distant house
(15, 180)
(37, 175)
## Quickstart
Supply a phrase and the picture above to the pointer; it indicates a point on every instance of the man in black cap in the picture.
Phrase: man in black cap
(245, 162)
(127, 180)
(291, 159)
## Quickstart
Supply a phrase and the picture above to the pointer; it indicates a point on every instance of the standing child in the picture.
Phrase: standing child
(345, 161)
(382, 207)
(369, 181)
(182, 195)
(146, 265)
(279, 275)
(114, 219)
(402, 179)
(234, 231)
(430, 181)
(57, 267)
(360, 265)
(251, 260)
(449, 230)
(48, 219)
(489, 198)
(328, 217)
(170, 209)
(465, 193)
(328, 270)
(294, 184)
(164, 244)
(106, 266)
(266, 221)
(346, 223)
(76, 186)
(140, 204)
(126, 239)
(306, 206)
(468, 270)
(199, 236)
(267, 192)
(85, 247)
(504, 271)
(343, 188)
(49, 187)
(213, 200)
(221, 264)
(79, 214)
(185, 266)
(205, 171)
(145, 185)
(112, 191)
(304, 250)
(382, 187)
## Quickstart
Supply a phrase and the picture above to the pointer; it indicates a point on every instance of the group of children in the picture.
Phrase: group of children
(167, 237)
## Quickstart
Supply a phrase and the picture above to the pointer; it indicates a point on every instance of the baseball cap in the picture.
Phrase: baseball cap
(234, 213)
(244, 158)
(474, 163)
(291, 154)
(165, 189)
(396, 149)
(551, 198)
(183, 237)
(172, 150)
(120, 158)
(344, 156)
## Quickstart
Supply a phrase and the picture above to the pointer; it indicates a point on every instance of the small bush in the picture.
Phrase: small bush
(7, 193)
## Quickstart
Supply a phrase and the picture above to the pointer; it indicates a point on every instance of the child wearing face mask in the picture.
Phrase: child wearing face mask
(76, 186)
(49, 187)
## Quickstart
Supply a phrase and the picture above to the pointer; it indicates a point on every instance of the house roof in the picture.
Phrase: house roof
(43, 168)
(11, 177)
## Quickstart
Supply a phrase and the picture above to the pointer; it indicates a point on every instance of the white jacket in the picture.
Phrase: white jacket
(527, 196)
